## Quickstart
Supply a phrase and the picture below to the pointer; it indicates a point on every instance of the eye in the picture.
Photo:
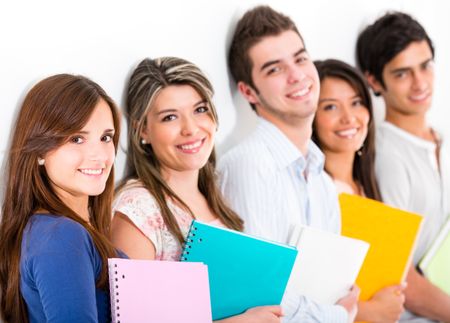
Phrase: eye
(169, 117)
(400, 75)
(301, 59)
(273, 70)
(357, 103)
(428, 65)
(77, 139)
(107, 138)
(202, 109)
(330, 107)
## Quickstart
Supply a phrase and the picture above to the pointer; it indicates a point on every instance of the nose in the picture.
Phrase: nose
(347, 115)
(189, 126)
(296, 74)
(420, 81)
(98, 151)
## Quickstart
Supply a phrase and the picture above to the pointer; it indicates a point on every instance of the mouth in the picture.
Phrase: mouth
(420, 97)
(300, 94)
(91, 171)
(347, 133)
(192, 147)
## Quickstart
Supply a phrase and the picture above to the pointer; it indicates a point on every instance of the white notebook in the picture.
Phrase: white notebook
(327, 264)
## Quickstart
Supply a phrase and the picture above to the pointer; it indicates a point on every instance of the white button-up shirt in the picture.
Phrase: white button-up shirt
(273, 187)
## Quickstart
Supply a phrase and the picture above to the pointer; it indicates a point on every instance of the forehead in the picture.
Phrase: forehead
(337, 87)
(414, 54)
(278, 47)
(177, 97)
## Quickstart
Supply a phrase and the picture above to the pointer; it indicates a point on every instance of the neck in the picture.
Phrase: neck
(297, 131)
(340, 166)
(184, 184)
(414, 124)
(80, 205)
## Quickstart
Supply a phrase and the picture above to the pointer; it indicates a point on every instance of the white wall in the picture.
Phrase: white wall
(104, 40)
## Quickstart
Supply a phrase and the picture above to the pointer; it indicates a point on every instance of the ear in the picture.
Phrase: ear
(374, 83)
(248, 92)
(144, 135)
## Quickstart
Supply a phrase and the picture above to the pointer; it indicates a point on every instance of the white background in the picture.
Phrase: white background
(104, 40)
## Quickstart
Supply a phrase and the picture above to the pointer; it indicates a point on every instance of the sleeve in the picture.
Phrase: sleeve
(393, 180)
(334, 223)
(138, 205)
(297, 308)
(246, 191)
(63, 269)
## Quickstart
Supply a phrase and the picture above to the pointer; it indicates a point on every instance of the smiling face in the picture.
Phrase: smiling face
(180, 129)
(80, 167)
(286, 80)
(408, 80)
(341, 121)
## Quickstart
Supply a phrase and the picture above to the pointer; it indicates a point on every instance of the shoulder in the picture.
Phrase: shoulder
(47, 233)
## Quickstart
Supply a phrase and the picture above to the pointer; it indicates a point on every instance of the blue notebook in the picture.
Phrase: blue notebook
(244, 271)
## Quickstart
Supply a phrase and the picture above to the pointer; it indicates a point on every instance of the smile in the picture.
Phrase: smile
(420, 97)
(300, 93)
(91, 171)
(347, 133)
(191, 147)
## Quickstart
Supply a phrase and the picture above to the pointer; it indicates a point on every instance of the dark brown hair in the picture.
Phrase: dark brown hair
(364, 163)
(53, 110)
(149, 78)
(260, 22)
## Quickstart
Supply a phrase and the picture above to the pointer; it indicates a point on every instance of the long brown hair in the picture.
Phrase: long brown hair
(364, 162)
(146, 82)
(53, 110)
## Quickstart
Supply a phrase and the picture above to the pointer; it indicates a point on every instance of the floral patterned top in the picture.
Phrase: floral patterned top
(135, 202)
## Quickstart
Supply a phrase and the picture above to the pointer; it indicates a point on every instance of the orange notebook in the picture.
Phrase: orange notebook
(392, 234)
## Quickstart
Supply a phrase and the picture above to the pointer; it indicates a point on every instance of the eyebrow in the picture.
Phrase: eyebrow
(405, 69)
(276, 61)
(333, 100)
(87, 132)
(175, 110)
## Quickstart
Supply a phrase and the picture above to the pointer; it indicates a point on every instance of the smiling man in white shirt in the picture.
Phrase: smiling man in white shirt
(275, 179)
(397, 56)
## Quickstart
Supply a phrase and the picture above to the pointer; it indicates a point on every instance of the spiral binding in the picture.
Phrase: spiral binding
(188, 243)
(114, 291)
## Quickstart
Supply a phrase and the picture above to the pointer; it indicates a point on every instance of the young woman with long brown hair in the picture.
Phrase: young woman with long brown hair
(57, 205)
(344, 129)
(170, 174)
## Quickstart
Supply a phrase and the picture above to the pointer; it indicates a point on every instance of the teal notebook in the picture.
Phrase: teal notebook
(244, 271)
(436, 263)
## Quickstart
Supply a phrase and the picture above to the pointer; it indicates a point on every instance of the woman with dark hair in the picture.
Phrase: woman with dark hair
(57, 205)
(344, 129)
(170, 173)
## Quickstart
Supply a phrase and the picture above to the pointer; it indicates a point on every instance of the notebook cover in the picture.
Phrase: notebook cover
(392, 234)
(436, 262)
(244, 271)
(158, 291)
(327, 264)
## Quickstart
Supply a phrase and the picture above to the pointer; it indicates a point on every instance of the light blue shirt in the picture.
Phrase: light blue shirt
(273, 187)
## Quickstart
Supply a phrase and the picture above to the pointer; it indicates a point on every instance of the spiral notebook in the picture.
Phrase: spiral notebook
(244, 271)
(158, 291)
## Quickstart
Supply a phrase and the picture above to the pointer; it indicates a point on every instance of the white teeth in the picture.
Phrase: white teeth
(419, 97)
(192, 146)
(300, 93)
(347, 133)
(91, 171)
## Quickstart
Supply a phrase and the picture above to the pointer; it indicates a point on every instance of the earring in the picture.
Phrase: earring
(41, 161)
(143, 141)
(360, 151)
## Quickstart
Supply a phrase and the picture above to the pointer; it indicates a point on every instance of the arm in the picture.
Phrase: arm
(385, 306)
(425, 299)
(64, 273)
(260, 314)
(128, 238)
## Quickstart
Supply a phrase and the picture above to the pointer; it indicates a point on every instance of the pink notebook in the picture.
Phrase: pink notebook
(159, 291)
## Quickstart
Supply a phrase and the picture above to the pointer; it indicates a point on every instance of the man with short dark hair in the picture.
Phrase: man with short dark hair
(397, 56)
(275, 178)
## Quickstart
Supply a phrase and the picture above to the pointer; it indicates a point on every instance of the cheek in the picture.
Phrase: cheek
(324, 123)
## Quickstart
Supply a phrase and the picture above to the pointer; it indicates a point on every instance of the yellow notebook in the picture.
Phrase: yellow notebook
(392, 234)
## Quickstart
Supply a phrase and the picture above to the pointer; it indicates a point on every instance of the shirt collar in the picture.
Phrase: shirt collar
(285, 153)
(408, 136)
